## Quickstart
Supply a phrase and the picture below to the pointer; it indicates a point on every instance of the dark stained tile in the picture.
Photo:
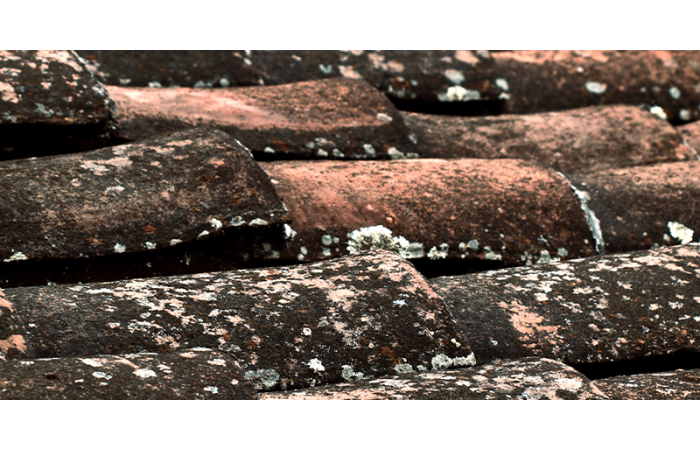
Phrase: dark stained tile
(194, 374)
(157, 193)
(557, 80)
(644, 207)
(580, 140)
(428, 76)
(506, 210)
(607, 308)
(49, 98)
(335, 119)
(288, 327)
(170, 68)
(525, 379)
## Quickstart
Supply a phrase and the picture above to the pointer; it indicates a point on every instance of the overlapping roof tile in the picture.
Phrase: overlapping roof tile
(158, 241)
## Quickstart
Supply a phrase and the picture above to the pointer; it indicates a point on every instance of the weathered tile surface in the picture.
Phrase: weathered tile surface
(580, 140)
(50, 103)
(526, 379)
(50, 87)
(642, 207)
(339, 118)
(288, 327)
(506, 210)
(171, 68)
(607, 308)
(135, 197)
(678, 385)
(557, 80)
(185, 375)
(447, 76)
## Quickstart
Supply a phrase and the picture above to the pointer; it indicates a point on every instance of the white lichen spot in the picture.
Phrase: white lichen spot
(268, 150)
(459, 94)
(455, 76)
(395, 154)
(322, 153)
(653, 307)
(268, 378)
(119, 248)
(289, 233)
(175, 242)
(441, 253)
(684, 115)
(18, 256)
(403, 368)
(316, 365)
(595, 87)
(326, 240)
(145, 373)
(680, 232)
(491, 255)
(369, 149)
(306, 331)
(658, 112)
(101, 375)
(442, 361)
(454, 341)
(384, 117)
(326, 251)
(327, 69)
(379, 236)
(399, 302)
(502, 84)
(217, 362)
(562, 252)
(203, 234)
(473, 244)
(675, 305)
(349, 374)
(258, 222)
(216, 223)
(92, 362)
(150, 245)
(674, 92)
(212, 389)
(544, 258)
(154, 84)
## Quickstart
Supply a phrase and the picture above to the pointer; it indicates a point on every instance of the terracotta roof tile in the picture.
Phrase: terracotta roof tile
(506, 210)
(336, 119)
(580, 140)
(192, 374)
(163, 236)
(607, 308)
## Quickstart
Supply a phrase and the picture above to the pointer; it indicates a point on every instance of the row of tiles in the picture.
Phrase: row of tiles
(205, 374)
(199, 192)
(523, 81)
(371, 315)
(335, 118)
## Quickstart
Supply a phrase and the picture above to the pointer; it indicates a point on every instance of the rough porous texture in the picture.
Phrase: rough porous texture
(526, 379)
(136, 197)
(644, 207)
(507, 210)
(581, 140)
(607, 308)
(678, 385)
(336, 119)
(288, 327)
(195, 374)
